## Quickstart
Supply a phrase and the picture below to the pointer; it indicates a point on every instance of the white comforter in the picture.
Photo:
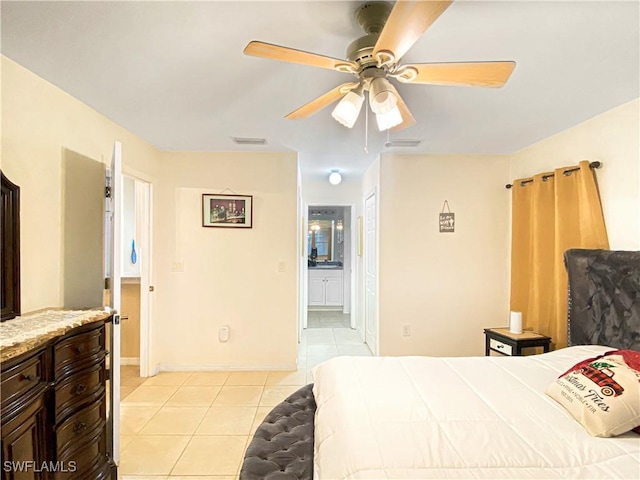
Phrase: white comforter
(482, 417)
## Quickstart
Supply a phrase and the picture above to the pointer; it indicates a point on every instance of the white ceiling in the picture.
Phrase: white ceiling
(174, 73)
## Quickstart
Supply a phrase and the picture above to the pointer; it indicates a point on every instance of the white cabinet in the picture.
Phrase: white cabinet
(325, 287)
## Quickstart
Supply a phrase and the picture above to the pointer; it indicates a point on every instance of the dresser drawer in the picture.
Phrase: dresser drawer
(83, 387)
(77, 352)
(22, 378)
(73, 430)
(500, 347)
(87, 460)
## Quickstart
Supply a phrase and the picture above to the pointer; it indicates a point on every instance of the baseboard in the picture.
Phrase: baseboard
(224, 367)
(129, 360)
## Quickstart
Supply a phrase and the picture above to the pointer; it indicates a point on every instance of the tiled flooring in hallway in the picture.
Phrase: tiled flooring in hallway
(327, 319)
(196, 425)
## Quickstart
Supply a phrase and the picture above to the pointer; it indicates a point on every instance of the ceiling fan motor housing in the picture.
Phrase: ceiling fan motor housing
(371, 16)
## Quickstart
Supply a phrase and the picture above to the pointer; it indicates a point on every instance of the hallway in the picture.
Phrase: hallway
(328, 319)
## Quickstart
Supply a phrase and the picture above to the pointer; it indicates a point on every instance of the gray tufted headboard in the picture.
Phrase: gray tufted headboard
(604, 298)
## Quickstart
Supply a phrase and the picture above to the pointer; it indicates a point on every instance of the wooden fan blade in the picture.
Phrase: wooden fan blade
(322, 101)
(473, 74)
(407, 118)
(285, 54)
(406, 23)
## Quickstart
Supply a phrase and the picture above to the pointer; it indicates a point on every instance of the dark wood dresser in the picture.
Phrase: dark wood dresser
(54, 408)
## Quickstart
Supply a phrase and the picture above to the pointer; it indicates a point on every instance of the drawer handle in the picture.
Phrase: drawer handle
(80, 427)
(79, 388)
(26, 378)
(80, 348)
(500, 345)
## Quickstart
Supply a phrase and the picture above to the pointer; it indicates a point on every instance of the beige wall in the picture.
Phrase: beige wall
(612, 138)
(446, 286)
(38, 121)
(318, 193)
(230, 275)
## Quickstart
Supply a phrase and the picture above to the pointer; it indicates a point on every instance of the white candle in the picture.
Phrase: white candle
(515, 322)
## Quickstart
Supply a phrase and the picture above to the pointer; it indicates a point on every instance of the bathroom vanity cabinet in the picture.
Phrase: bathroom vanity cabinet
(325, 287)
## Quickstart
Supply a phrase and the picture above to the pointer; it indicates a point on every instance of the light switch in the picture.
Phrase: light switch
(177, 267)
(282, 266)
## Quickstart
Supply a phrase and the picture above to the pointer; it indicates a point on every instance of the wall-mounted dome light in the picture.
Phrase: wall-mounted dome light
(334, 177)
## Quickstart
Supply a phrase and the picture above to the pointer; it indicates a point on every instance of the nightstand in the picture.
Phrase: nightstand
(501, 340)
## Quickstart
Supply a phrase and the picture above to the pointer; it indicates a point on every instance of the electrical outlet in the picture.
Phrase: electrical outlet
(406, 330)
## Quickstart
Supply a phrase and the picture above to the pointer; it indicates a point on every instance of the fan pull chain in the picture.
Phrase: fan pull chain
(366, 127)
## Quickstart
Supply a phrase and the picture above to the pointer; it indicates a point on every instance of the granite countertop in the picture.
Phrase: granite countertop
(27, 332)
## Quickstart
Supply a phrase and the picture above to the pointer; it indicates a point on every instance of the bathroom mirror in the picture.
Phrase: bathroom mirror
(325, 241)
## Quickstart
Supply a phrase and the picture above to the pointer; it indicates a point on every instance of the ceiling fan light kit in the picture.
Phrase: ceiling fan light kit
(375, 58)
(348, 109)
(388, 120)
(381, 96)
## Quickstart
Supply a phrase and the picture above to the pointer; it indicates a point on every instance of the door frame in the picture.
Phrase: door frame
(144, 195)
(372, 193)
(304, 283)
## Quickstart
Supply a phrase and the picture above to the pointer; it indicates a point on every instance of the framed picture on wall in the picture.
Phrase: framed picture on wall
(234, 211)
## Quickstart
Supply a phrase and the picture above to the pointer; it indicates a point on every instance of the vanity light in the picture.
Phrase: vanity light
(334, 177)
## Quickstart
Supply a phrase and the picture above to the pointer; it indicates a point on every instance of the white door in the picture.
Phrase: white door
(115, 210)
(370, 272)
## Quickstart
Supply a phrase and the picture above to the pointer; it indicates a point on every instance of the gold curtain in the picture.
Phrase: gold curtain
(551, 213)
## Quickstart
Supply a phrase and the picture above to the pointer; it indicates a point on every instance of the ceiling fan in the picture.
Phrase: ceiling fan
(375, 58)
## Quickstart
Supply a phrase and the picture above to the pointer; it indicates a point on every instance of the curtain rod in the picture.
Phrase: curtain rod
(568, 170)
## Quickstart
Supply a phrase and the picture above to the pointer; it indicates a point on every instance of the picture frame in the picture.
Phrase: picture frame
(226, 210)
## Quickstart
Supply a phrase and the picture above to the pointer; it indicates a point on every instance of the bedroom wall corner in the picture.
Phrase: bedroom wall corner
(226, 276)
(446, 287)
(613, 138)
(40, 121)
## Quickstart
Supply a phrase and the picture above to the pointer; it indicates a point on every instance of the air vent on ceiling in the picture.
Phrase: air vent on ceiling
(403, 143)
(249, 141)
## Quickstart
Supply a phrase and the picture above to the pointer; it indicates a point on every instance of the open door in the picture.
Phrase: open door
(371, 274)
(114, 214)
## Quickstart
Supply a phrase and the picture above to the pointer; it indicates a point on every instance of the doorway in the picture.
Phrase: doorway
(329, 266)
(371, 273)
(136, 274)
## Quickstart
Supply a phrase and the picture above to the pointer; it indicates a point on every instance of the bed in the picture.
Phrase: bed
(479, 417)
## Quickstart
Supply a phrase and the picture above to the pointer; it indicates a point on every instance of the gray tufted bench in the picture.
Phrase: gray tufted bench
(282, 447)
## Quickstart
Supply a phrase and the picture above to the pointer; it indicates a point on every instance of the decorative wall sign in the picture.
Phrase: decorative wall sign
(447, 219)
(227, 211)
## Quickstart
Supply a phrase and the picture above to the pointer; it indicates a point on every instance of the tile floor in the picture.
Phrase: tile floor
(197, 425)
(327, 319)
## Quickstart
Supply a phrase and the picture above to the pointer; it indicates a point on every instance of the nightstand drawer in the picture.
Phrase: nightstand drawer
(500, 347)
